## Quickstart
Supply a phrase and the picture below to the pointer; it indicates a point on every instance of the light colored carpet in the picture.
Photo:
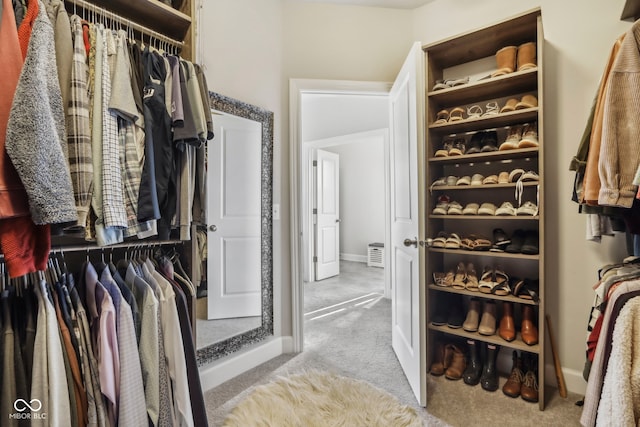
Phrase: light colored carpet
(319, 399)
(354, 340)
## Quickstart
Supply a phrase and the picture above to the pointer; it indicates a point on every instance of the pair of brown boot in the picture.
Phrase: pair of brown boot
(515, 58)
(528, 329)
(522, 384)
(449, 360)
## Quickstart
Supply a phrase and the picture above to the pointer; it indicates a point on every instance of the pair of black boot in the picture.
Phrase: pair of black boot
(484, 373)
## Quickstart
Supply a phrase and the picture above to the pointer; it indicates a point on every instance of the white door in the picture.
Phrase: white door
(327, 189)
(234, 203)
(407, 294)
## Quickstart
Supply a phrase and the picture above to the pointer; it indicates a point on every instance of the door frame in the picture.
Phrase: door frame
(306, 181)
(298, 87)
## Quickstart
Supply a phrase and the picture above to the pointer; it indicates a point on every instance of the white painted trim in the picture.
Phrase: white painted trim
(353, 257)
(227, 368)
(573, 379)
(296, 88)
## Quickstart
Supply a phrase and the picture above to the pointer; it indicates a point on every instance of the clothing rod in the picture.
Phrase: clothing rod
(82, 248)
(141, 244)
(89, 7)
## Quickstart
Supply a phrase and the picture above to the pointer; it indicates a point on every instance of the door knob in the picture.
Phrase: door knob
(337, 220)
(409, 242)
(213, 228)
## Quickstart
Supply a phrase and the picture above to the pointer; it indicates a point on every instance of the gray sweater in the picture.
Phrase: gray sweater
(36, 131)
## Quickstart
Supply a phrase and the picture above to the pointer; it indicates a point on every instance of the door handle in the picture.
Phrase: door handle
(409, 242)
(213, 228)
(337, 220)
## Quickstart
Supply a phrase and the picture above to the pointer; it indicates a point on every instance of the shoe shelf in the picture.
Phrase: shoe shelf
(485, 253)
(516, 344)
(487, 122)
(478, 294)
(516, 82)
(492, 156)
(450, 59)
(489, 217)
(481, 187)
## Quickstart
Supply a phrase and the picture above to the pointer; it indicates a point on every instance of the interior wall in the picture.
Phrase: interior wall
(251, 48)
(330, 115)
(575, 57)
(362, 196)
(240, 49)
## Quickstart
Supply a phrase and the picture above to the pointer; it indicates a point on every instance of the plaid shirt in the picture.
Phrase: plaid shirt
(78, 126)
(113, 209)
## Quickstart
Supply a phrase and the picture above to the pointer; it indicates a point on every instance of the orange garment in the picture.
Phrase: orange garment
(13, 197)
(24, 32)
(25, 245)
(591, 174)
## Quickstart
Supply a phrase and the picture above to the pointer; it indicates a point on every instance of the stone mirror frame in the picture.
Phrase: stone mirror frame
(265, 118)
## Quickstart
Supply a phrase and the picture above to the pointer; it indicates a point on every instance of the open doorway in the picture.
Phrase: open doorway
(341, 117)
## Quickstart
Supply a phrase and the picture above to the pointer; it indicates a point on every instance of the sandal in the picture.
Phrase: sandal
(438, 278)
(460, 278)
(467, 243)
(448, 278)
(491, 179)
(515, 175)
(474, 112)
(492, 109)
(526, 289)
(452, 242)
(442, 117)
(501, 283)
(472, 278)
(447, 144)
(440, 240)
(486, 283)
(456, 114)
(509, 106)
(482, 244)
(501, 289)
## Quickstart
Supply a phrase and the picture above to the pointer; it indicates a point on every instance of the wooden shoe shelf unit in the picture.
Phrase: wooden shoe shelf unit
(448, 59)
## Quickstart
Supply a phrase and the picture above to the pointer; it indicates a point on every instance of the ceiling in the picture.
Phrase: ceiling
(394, 4)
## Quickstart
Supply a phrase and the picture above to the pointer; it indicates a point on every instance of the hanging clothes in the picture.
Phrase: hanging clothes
(35, 132)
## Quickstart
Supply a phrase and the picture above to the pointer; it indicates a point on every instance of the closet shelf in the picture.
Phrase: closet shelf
(509, 298)
(492, 156)
(150, 13)
(483, 42)
(488, 122)
(516, 344)
(519, 81)
(485, 217)
(485, 253)
(481, 187)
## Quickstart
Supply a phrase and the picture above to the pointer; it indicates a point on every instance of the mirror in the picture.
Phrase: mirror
(218, 338)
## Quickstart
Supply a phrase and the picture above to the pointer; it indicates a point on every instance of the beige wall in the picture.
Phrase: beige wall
(579, 35)
(251, 49)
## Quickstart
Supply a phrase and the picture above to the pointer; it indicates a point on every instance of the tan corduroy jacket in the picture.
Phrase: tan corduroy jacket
(619, 153)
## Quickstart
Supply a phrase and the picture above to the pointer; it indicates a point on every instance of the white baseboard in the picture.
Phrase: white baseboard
(573, 379)
(353, 257)
(227, 368)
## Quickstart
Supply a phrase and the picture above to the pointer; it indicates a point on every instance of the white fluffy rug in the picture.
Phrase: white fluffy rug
(320, 399)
